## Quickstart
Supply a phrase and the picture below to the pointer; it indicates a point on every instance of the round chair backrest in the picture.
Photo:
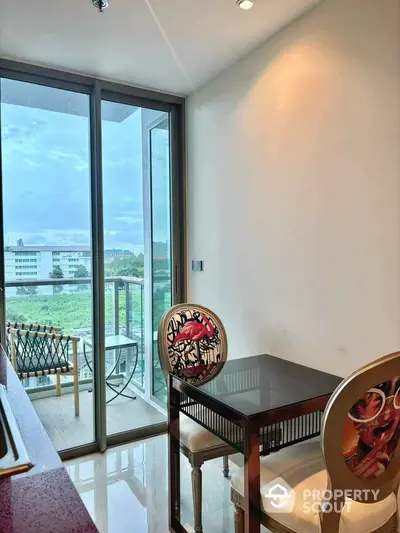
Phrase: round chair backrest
(361, 431)
(192, 343)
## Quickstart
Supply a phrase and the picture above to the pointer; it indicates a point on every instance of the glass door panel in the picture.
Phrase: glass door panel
(160, 240)
(46, 215)
(126, 171)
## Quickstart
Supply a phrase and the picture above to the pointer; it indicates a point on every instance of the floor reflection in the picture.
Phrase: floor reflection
(126, 489)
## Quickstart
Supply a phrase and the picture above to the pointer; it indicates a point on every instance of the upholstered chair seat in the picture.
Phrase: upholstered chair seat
(195, 437)
(302, 467)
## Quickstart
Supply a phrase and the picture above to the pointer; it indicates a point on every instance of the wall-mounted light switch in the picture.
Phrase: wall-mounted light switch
(197, 266)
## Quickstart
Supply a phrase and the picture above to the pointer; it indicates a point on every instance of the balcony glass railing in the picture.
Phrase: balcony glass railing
(67, 303)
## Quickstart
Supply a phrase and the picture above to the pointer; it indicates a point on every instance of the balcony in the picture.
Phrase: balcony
(67, 303)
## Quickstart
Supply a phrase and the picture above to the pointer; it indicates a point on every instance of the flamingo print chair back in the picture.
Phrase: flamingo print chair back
(192, 343)
(361, 431)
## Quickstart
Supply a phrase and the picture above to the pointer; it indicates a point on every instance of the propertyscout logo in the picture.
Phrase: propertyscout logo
(279, 497)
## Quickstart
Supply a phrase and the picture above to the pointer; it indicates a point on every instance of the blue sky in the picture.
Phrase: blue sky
(46, 177)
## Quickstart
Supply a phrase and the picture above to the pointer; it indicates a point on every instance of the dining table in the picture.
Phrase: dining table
(258, 405)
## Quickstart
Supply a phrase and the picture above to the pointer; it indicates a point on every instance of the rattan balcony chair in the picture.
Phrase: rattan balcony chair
(44, 328)
(358, 451)
(35, 353)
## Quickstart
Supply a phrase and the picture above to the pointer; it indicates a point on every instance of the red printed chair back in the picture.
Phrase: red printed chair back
(192, 343)
(361, 431)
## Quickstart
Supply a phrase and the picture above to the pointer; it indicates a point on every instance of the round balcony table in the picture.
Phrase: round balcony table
(116, 343)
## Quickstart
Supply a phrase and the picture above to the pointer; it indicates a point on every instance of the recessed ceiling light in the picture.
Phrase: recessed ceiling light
(100, 4)
(245, 4)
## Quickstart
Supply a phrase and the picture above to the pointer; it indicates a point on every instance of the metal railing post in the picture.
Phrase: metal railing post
(142, 332)
(141, 317)
(116, 307)
(127, 308)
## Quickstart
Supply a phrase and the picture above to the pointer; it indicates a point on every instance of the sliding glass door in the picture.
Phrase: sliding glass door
(91, 239)
(45, 158)
(127, 161)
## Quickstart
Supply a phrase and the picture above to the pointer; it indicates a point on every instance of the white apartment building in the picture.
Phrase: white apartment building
(28, 263)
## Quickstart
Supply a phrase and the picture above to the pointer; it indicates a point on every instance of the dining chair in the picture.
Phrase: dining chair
(192, 344)
(347, 481)
(40, 353)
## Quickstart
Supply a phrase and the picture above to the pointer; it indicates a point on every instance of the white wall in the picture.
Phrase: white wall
(294, 190)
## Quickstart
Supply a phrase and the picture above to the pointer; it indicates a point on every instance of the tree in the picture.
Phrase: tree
(128, 265)
(42, 381)
(161, 302)
(81, 272)
(26, 291)
(56, 273)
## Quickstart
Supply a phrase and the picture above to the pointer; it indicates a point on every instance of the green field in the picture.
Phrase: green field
(71, 311)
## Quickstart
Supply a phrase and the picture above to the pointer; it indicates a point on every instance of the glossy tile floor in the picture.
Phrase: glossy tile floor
(125, 489)
(66, 431)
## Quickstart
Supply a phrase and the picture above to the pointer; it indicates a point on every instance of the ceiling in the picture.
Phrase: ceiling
(170, 45)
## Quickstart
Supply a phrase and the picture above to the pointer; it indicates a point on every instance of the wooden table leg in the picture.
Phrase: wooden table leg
(252, 498)
(174, 458)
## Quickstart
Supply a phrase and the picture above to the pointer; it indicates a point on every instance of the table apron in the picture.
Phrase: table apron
(290, 411)
(277, 429)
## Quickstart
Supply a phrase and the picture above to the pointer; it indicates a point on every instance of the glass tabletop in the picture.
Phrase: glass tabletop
(253, 385)
(113, 342)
